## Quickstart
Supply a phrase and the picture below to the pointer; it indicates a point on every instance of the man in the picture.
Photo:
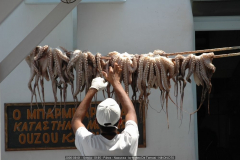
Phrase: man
(108, 143)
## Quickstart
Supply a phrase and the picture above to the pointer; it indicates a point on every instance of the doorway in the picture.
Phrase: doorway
(219, 132)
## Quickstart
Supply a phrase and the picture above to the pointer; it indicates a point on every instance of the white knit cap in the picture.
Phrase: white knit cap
(108, 113)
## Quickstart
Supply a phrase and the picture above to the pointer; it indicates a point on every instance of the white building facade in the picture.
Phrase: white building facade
(134, 26)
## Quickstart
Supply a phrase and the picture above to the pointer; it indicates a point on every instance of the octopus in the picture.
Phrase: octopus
(180, 67)
(166, 69)
(85, 65)
(128, 62)
(59, 68)
(45, 62)
(99, 67)
(144, 72)
(154, 71)
(203, 73)
(38, 69)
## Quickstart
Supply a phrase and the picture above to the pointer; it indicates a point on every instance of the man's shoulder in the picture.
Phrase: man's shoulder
(131, 122)
(83, 132)
(131, 128)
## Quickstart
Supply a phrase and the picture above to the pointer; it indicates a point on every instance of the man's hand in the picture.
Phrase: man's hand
(99, 84)
(113, 75)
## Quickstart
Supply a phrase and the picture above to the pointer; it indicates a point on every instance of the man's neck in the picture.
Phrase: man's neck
(109, 135)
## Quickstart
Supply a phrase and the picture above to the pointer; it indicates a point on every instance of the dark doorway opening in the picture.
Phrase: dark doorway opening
(219, 132)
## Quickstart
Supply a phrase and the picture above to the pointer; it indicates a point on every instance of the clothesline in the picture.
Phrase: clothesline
(203, 51)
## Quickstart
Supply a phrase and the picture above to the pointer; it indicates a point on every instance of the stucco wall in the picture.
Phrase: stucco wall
(136, 26)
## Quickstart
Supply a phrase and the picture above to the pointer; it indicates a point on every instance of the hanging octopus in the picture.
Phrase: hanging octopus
(38, 67)
(203, 73)
(143, 72)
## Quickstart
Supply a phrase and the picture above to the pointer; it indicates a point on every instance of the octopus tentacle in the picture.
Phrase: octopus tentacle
(153, 84)
(40, 50)
(178, 60)
(134, 85)
(91, 57)
(207, 71)
(57, 65)
(164, 75)
(73, 58)
(125, 75)
(52, 76)
(132, 66)
(37, 77)
(78, 66)
(85, 61)
(197, 75)
(120, 62)
(98, 57)
(199, 81)
(140, 76)
(169, 66)
(115, 56)
(185, 64)
(162, 83)
(166, 83)
(207, 59)
(50, 63)
(43, 65)
(146, 70)
(33, 70)
(203, 73)
(158, 74)
(159, 79)
(62, 55)
(192, 64)
(151, 75)
(144, 81)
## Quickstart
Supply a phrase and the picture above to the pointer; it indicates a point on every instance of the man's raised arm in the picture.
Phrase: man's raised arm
(77, 120)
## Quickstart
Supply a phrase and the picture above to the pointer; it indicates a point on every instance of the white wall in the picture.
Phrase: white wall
(136, 26)
(14, 88)
(140, 26)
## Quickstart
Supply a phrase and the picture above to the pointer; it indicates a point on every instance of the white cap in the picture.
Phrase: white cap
(108, 113)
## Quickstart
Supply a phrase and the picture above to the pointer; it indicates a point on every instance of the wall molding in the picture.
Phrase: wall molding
(216, 23)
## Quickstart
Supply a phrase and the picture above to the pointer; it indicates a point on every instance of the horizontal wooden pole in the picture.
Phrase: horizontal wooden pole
(202, 51)
(227, 55)
(205, 51)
